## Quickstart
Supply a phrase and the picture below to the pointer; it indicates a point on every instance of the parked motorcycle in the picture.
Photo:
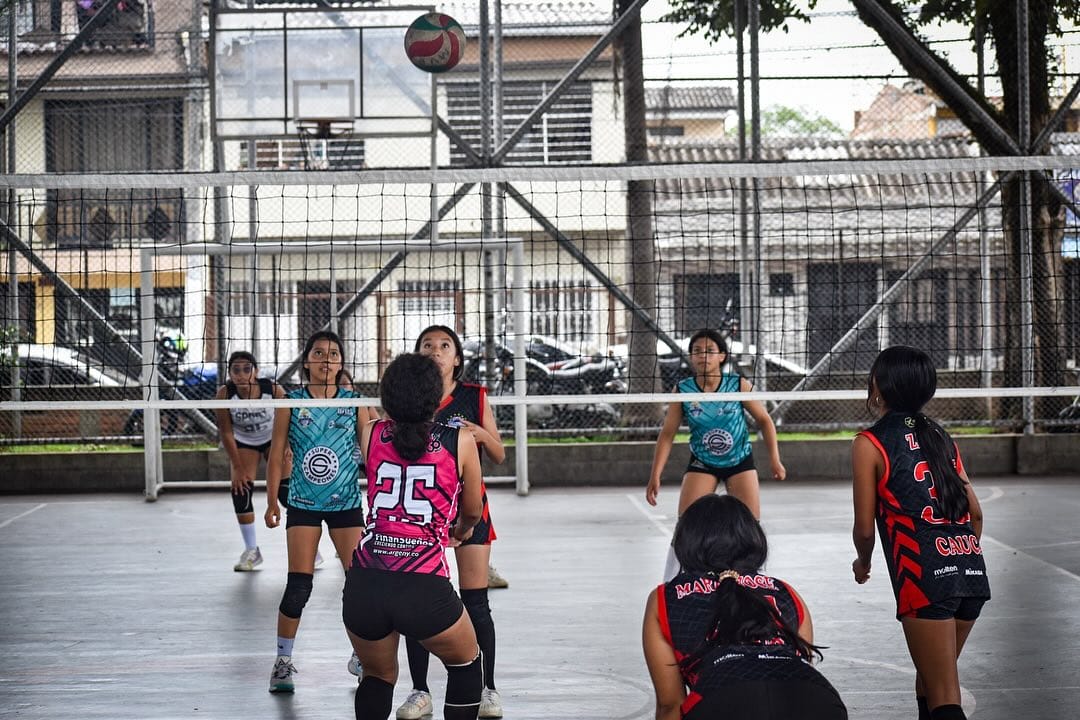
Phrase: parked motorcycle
(579, 375)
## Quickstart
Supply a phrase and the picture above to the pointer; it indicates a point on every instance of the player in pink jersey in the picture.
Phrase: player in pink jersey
(424, 495)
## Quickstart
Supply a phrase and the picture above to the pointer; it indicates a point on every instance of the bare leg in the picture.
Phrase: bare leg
(745, 487)
(933, 648)
(302, 542)
(345, 540)
(694, 486)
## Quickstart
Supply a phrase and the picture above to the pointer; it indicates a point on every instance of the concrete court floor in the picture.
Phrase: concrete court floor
(116, 608)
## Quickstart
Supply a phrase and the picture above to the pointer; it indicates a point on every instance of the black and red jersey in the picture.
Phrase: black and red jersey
(930, 558)
(466, 403)
(687, 609)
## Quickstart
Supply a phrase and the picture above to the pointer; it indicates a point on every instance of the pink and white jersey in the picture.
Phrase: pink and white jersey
(411, 504)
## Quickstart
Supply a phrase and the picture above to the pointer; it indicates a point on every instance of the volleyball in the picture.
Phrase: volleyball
(435, 42)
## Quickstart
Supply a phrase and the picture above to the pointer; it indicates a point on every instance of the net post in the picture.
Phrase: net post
(152, 465)
(521, 430)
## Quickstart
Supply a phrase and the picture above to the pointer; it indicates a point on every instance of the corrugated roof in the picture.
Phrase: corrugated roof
(694, 98)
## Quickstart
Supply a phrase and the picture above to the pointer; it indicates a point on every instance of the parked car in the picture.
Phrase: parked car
(196, 381)
(51, 366)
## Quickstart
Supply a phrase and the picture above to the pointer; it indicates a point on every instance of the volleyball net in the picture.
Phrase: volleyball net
(576, 287)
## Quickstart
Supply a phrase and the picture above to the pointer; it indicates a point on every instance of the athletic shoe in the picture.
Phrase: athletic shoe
(496, 581)
(355, 667)
(416, 706)
(490, 704)
(249, 560)
(318, 560)
(281, 677)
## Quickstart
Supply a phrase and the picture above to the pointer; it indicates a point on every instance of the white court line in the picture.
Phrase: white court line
(967, 698)
(22, 515)
(1058, 568)
(995, 493)
(1052, 545)
(654, 519)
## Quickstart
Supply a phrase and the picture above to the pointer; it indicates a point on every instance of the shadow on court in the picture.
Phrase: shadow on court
(117, 608)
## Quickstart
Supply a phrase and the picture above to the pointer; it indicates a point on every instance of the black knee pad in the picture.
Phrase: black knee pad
(374, 698)
(242, 503)
(476, 604)
(464, 684)
(297, 592)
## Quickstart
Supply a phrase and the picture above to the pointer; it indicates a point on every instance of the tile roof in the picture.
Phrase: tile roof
(694, 98)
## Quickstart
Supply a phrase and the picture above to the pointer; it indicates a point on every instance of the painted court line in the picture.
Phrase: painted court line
(654, 519)
(22, 515)
(1040, 561)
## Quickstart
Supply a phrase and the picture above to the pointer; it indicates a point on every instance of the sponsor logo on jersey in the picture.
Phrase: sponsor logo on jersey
(696, 409)
(718, 441)
(455, 421)
(304, 417)
(947, 570)
(320, 465)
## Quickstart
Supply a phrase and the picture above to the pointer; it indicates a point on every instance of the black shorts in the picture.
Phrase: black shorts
(772, 700)
(483, 532)
(375, 603)
(263, 449)
(315, 518)
(961, 608)
(721, 474)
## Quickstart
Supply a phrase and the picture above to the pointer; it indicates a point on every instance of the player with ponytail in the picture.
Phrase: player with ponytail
(724, 640)
(909, 479)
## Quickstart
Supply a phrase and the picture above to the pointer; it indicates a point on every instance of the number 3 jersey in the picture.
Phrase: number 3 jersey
(326, 456)
(930, 559)
(411, 504)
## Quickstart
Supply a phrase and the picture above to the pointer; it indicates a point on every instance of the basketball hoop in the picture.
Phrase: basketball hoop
(323, 128)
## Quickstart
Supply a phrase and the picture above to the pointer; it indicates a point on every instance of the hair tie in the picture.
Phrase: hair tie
(720, 577)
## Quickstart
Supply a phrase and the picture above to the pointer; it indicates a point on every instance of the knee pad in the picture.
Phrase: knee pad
(464, 684)
(241, 502)
(476, 604)
(297, 592)
(374, 698)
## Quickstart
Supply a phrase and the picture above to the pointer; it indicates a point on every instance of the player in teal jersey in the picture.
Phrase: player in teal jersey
(719, 438)
(324, 485)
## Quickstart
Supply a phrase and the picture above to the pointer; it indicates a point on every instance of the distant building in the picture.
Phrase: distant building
(909, 112)
(697, 112)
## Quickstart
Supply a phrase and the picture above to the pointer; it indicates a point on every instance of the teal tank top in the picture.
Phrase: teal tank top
(718, 434)
(326, 456)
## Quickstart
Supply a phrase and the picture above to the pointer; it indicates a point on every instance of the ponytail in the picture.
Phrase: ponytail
(940, 454)
(410, 439)
(743, 617)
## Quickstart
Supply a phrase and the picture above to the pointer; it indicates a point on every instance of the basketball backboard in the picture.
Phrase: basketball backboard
(277, 64)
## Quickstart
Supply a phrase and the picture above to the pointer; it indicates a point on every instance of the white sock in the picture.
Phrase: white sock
(671, 565)
(248, 531)
(284, 645)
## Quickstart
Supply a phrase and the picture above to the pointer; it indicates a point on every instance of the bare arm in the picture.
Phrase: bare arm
(768, 430)
(662, 451)
(225, 429)
(973, 506)
(275, 464)
(866, 468)
(486, 435)
(663, 669)
(472, 504)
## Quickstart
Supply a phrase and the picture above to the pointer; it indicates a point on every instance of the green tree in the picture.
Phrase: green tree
(899, 23)
(785, 121)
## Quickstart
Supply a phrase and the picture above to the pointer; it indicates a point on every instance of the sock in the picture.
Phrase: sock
(476, 604)
(374, 699)
(464, 686)
(248, 531)
(948, 712)
(671, 565)
(285, 645)
(924, 709)
(418, 663)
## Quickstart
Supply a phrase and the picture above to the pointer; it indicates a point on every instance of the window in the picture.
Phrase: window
(561, 135)
(781, 284)
(563, 310)
(127, 26)
(111, 136)
(341, 153)
(428, 296)
(666, 130)
(30, 15)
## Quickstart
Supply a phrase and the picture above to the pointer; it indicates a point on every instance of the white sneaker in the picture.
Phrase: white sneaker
(249, 560)
(355, 667)
(490, 704)
(319, 560)
(416, 706)
(281, 677)
(496, 581)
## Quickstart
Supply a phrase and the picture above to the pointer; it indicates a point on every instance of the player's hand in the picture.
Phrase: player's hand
(241, 482)
(273, 514)
(652, 490)
(459, 535)
(779, 472)
(861, 570)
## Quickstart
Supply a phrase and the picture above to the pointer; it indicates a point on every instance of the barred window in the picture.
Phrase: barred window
(563, 134)
(338, 153)
(428, 296)
(563, 310)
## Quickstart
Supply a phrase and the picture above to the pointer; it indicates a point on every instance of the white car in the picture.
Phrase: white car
(54, 366)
